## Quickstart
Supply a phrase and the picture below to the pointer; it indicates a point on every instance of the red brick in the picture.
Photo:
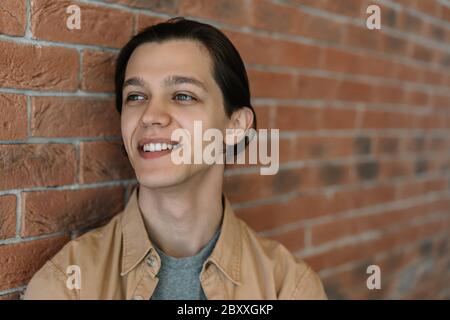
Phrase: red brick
(433, 77)
(13, 117)
(29, 165)
(99, 25)
(13, 17)
(393, 45)
(416, 98)
(322, 147)
(428, 7)
(267, 51)
(409, 23)
(385, 94)
(98, 71)
(359, 198)
(351, 284)
(299, 118)
(334, 230)
(423, 53)
(263, 116)
(340, 61)
(275, 17)
(7, 216)
(19, 261)
(357, 252)
(329, 174)
(270, 216)
(339, 118)
(74, 117)
(354, 91)
(407, 72)
(359, 36)
(272, 85)
(228, 11)
(166, 6)
(293, 240)
(103, 161)
(66, 210)
(373, 119)
(284, 154)
(321, 28)
(416, 188)
(316, 87)
(390, 169)
(247, 187)
(143, 21)
(38, 67)
(10, 296)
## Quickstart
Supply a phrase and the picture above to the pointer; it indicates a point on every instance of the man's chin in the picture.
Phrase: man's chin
(160, 180)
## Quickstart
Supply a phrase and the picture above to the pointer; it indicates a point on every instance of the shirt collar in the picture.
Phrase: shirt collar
(226, 254)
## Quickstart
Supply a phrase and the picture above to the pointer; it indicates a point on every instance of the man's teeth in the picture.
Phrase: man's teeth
(151, 147)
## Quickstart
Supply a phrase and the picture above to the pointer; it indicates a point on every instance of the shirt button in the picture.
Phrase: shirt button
(138, 298)
(151, 260)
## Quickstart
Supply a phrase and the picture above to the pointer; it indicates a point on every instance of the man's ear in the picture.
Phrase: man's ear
(240, 122)
(242, 119)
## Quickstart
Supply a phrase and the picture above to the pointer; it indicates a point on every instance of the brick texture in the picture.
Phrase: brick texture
(363, 116)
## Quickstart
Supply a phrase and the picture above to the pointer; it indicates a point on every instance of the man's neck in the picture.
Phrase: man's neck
(181, 221)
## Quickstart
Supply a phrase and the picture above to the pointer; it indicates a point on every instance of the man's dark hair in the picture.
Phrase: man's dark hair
(228, 68)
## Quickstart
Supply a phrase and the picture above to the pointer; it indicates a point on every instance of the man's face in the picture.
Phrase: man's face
(153, 106)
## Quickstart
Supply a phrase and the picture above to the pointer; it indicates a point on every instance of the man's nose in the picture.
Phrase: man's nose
(155, 114)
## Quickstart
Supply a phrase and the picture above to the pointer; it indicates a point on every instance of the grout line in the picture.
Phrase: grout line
(28, 34)
(359, 106)
(78, 93)
(12, 290)
(38, 140)
(17, 240)
(68, 45)
(18, 214)
(29, 122)
(81, 68)
(76, 186)
(77, 162)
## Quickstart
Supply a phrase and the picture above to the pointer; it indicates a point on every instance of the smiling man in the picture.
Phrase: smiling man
(178, 237)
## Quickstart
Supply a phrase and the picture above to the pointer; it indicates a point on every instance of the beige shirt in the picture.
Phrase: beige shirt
(118, 261)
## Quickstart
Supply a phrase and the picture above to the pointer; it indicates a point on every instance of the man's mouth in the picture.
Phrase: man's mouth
(155, 147)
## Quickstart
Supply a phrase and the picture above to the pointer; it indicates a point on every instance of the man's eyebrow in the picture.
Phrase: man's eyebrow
(169, 81)
(135, 81)
(176, 79)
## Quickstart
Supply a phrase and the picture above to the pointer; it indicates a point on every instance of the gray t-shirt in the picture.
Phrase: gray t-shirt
(179, 278)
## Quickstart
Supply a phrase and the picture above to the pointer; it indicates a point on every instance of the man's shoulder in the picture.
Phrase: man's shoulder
(89, 251)
(91, 244)
(295, 278)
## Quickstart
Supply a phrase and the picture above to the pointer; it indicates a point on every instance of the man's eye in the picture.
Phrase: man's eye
(184, 97)
(135, 97)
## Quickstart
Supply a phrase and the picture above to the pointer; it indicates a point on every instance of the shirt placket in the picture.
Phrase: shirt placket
(149, 280)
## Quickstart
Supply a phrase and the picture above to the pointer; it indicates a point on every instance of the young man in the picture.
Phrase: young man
(178, 237)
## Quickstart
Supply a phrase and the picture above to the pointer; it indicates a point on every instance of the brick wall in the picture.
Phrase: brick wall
(364, 118)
